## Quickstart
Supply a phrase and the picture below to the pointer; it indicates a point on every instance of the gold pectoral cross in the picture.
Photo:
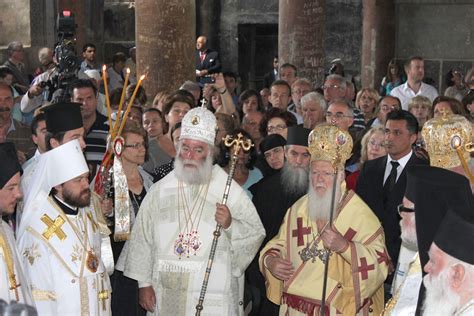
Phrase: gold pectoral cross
(103, 295)
(54, 227)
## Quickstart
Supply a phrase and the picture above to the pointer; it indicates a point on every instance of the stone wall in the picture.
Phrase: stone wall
(440, 31)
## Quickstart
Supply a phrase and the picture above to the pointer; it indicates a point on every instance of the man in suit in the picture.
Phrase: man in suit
(382, 181)
(207, 61)
(271, 75)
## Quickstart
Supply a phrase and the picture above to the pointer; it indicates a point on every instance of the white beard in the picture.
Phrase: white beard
(440, 299)
(319, 207)
(199, 175)
(409, 236)
(295, 179)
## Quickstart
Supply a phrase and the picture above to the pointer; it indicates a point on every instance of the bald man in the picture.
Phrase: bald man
(207, 61)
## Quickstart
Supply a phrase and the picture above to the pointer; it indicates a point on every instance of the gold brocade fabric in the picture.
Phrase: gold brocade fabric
(122, 203)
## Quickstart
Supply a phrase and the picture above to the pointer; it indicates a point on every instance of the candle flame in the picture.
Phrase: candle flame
(142, 77)
(104, 67)
(128, 70)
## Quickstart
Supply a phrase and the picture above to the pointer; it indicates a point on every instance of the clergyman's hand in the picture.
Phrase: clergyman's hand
(333, 240)
(223, 216)
(281, 269)
(147, 298)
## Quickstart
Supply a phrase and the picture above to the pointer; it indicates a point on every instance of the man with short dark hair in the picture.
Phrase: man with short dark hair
(415, 70)
(83, 91)
(88, 53)
(382, 181)
(288, 72)
(280, 94)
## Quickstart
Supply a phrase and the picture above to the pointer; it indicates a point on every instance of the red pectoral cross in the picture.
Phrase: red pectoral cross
(300, 231)
(364, 268)
(382, 257)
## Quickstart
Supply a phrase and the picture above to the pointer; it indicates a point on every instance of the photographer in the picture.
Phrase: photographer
(34, 97)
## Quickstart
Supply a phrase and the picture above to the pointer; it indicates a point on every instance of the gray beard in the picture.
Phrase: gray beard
(319, 207)
(440, 299)
(408, 236)
(199, 175)
(295, 180)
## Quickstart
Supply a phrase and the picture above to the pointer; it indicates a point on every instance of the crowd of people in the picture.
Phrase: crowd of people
(350, 200)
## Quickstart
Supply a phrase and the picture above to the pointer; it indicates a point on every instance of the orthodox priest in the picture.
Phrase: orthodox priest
(293, 262)
(13, 284)
(60, 237)
(172, 236)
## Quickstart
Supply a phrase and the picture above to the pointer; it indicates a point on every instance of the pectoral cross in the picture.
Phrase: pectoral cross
(54, 227)
(300, 231)
(103, 295)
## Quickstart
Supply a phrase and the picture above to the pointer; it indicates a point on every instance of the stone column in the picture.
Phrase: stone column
(378, 40)
(165, 39)
(208, 13)
(301, 32)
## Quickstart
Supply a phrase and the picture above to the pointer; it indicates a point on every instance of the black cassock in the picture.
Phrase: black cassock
(272, 202)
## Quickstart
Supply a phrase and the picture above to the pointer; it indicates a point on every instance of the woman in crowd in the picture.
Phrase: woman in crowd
(455, 85)
(447, 105)
(392, 79)
(249, 101)
(174, 110)
(277, 121)
(420, 107)
(372, 147)
(245, 173)
(135, 150)
(366, 102)
(160, 149)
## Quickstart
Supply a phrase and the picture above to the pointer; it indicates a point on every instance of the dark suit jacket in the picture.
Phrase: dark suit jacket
(211, 62)
(268, 79)
(370, 189)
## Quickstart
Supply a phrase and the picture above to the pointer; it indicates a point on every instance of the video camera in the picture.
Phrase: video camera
(68, 63)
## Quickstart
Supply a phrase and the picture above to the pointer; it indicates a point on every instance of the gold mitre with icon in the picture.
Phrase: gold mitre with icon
(446, 137)
(329, 143)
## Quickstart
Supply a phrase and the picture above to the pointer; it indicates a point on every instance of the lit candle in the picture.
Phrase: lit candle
(107, 99)
(129, 106)
(122, 100)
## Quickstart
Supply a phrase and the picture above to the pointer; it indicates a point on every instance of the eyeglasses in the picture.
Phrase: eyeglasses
(337, 115)
(401, 208)
(275, 128)
(135, 146)
(376, 145)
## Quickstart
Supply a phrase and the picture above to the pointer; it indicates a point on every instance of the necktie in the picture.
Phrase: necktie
(392, 177)
(202, 55)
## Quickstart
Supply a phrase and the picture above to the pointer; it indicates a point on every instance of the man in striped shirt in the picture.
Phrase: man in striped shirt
(83, 91)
